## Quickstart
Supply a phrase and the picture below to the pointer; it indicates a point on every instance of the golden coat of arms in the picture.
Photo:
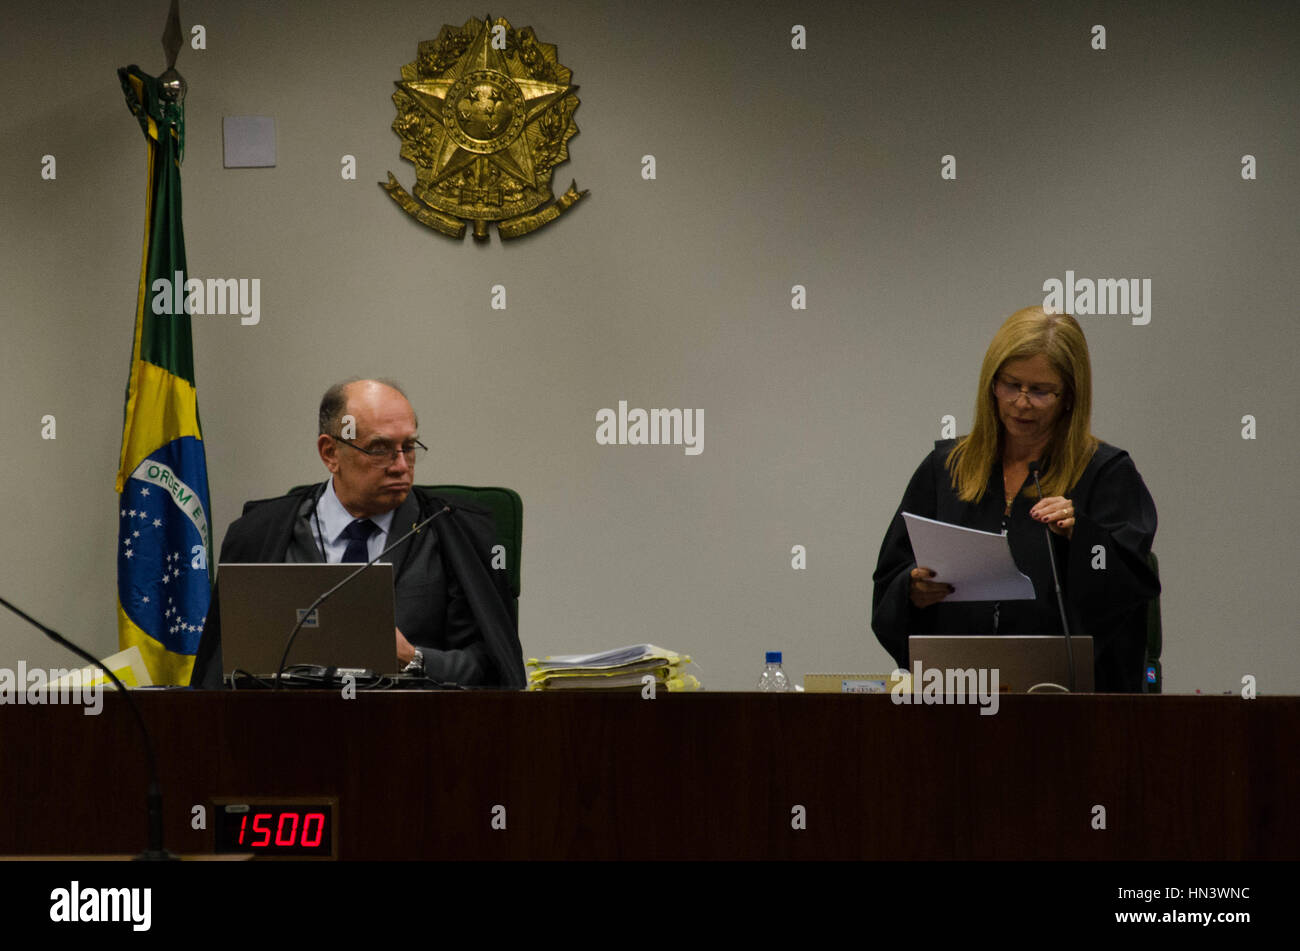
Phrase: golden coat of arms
(484, 113)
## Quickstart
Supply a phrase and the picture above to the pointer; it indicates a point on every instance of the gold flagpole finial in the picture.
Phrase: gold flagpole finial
(174, 85)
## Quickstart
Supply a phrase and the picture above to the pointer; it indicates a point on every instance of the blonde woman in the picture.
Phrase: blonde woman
(1034, 404)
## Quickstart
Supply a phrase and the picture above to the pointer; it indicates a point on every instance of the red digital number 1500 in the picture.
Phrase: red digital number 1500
(298, 829)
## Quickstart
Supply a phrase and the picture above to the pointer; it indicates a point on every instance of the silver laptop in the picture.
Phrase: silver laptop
(260, 604)
(1021, 662)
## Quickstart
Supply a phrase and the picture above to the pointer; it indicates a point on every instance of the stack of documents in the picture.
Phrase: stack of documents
(624, 668)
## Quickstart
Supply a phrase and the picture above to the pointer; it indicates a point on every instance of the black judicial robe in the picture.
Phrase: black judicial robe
(1113, 509)
(448, 599)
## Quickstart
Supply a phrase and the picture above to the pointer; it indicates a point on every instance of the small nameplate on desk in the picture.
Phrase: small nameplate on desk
(862, 686)
(846, 683)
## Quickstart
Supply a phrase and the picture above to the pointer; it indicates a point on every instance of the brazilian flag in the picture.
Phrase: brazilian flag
(164, 542)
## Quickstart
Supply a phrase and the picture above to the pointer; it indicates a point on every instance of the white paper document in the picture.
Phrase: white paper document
(978, 564)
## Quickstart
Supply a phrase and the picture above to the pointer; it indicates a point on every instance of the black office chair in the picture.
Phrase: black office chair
(1153, 675)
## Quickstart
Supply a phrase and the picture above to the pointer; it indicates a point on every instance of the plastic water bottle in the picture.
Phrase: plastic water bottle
(773, 679)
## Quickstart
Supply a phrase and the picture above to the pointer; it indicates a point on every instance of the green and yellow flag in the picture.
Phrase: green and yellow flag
(164, 543)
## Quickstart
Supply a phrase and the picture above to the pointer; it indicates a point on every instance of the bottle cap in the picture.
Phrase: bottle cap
(774, 657)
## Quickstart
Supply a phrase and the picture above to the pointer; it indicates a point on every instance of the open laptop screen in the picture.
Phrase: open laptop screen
(260, 604)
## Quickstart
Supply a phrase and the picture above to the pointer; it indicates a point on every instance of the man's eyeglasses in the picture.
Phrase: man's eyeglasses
(385, 454)
(1038, 395)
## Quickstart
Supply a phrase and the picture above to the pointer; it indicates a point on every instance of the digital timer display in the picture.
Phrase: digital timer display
(298, 829)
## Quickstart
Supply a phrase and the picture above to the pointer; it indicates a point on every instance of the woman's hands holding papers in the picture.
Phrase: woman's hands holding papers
(925, 592)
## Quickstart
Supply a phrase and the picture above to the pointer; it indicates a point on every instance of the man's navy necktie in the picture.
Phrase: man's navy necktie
(356, 534)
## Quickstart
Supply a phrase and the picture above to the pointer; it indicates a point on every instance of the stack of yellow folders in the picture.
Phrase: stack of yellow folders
(624, 668)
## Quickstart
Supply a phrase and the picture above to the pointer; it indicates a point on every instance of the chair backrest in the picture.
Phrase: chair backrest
(507, 510)
(1152, 674)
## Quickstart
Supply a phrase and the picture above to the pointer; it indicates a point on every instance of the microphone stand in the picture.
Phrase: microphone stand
(1056, 580)
(153, 800)
(315, 604)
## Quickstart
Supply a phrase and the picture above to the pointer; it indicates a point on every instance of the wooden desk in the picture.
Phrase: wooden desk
(698, 776)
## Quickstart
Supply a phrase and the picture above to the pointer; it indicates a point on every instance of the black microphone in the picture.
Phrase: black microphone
(153, 800)
(1056, 580)
(315, 604)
